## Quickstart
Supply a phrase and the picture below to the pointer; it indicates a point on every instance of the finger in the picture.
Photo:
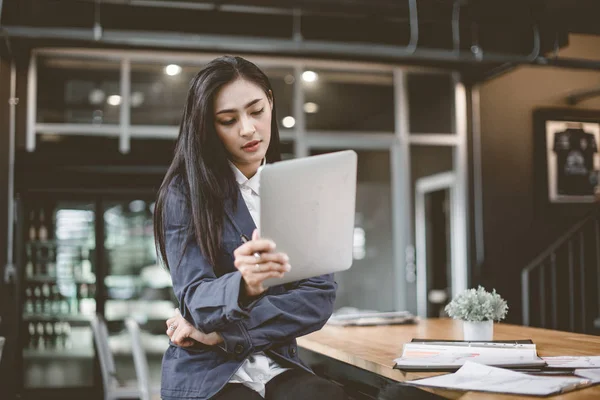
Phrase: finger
(257, 279)
(187, 343)
(179, 320)
(198, 336)
(266, 267)
(280, 258)
(177, 312)
(260, 246)
(255, 235)
(181, 333)
(170, 321)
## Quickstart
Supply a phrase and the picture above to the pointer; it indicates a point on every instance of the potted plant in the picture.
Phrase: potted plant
(478, 309)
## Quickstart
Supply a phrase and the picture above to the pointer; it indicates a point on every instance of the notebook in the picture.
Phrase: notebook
(451, 355)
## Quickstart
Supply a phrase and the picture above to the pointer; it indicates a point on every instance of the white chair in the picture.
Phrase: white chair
(147, 391)
(113, 388)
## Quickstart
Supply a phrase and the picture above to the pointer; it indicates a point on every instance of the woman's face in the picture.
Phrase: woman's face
(242, 113)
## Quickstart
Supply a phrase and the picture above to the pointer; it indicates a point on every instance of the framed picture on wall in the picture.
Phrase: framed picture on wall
(571, 157)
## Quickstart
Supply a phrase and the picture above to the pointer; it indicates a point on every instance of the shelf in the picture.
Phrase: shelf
(118, 310)
(52, 279)
(56, 317)
(58, 242)
(58, 354)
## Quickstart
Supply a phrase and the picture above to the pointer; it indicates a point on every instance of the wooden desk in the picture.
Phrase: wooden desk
(375, 348)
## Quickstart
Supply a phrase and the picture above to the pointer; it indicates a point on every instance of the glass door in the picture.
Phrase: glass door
(137, 286)
(372, 269)
(59, 295)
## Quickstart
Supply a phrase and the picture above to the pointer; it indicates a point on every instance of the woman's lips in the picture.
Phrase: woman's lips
(252, 146)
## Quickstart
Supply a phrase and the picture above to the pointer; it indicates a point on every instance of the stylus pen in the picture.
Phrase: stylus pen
(246, 239)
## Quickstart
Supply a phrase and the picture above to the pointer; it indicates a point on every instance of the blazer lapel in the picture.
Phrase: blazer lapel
(241, 218)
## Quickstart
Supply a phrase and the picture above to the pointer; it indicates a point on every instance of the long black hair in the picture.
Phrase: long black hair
(200, 158)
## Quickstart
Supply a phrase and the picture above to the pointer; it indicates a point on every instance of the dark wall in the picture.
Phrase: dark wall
(517, 226)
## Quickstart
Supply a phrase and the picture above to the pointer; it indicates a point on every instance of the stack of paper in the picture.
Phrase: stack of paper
(451, 356)
(351, 316)
(474, 376)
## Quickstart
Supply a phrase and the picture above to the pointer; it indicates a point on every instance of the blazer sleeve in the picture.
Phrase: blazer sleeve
(212, 304)
(209, 302)
(278, 318)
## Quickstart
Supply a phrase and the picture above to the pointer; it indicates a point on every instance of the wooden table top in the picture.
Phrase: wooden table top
(374, 349)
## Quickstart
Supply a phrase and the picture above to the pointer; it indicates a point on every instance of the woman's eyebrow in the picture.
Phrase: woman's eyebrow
(231, 110)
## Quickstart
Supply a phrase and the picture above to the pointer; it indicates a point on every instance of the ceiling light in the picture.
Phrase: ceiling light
(311, 108)
(309, 76)
(114, 100)
(288, 122)
(137, 98)
(96, 96)
(289, 79)
(172, 69)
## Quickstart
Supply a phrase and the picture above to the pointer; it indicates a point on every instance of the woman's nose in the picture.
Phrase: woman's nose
(247, 128)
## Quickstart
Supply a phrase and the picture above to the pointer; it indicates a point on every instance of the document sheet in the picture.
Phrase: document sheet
(477, 377)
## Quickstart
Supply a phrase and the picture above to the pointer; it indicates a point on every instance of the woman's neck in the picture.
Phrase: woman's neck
(249, 170)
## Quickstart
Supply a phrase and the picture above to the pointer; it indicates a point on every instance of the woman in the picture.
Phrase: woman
(233, 339)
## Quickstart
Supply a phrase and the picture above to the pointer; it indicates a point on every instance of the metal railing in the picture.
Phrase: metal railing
(554, 285)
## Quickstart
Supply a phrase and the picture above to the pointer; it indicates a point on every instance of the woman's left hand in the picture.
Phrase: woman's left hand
(184, 334)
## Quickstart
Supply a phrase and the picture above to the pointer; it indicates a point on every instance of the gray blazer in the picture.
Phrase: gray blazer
(208, 299)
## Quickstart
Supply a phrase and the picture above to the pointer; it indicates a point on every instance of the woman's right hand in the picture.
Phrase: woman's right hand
(257, 261)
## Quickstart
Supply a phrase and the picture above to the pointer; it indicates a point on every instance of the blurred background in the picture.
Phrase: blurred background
(445, 102)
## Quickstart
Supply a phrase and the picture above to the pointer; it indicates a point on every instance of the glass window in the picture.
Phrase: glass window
(159, 92)
(370, 282)
(287, 150)
(348, 101)
(282, 81)
(430, 103)
(71, 90)
(430, 160)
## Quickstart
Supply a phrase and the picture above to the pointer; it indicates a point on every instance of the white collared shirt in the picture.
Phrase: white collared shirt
(258, 369)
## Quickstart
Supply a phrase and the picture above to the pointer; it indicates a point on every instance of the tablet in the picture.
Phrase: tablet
(307, 208)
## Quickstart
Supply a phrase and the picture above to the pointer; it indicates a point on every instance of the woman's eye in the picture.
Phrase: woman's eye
(228, 122)
(259, 111)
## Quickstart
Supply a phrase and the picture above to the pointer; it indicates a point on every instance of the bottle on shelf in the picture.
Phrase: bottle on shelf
(32, 230)
(58, 333)
(29, 269)
(37, 295)
(41, 345)
(32, 344)
(49, 336)
(66, 329)
(56, 300)
(50, 262)
(43, 230)
(47, 301)
(29, 301)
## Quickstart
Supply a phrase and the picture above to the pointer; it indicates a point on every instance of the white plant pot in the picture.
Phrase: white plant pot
(480, 330)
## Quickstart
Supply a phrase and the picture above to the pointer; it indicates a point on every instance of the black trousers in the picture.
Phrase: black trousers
(294, 384)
